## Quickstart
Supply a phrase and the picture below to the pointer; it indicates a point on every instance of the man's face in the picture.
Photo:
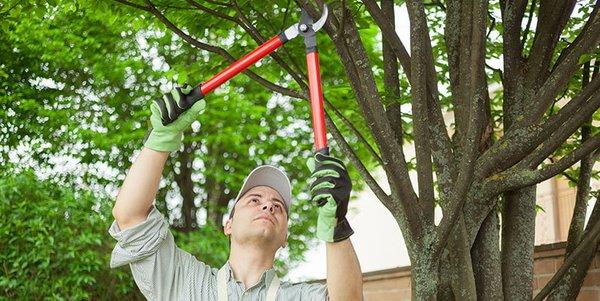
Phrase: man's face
(260, 215)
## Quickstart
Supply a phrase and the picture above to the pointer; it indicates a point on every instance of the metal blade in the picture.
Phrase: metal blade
(317, 25)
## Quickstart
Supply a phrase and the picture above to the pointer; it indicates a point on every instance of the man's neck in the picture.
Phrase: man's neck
(248, 262)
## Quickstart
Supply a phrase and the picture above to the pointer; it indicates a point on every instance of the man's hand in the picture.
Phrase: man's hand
(330, 189)
(172, 115)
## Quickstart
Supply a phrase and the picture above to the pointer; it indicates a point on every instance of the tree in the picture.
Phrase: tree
(481, 169)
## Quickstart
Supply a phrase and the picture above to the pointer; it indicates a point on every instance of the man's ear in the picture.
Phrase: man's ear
(287, 236)
(227, 228)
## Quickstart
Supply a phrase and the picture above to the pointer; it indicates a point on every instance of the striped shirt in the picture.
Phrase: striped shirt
(162, 271)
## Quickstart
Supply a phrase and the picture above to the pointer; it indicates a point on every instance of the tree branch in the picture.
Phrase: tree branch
(475, 92)
(355, 131)
(391, 80)
(461, 188)
(214, 49)
(420, 110)
(443, 155)
(552, 18)
(581, 199)
(515, 178)
(589, 241)
(388, 32)
(521, 141)
(441, 145)
(565, 67)
(214, 12)
(366, 175)
(496, 70)
(361, 79)
(562, 133)
(359, 71)
(529, 19)
(571, 45)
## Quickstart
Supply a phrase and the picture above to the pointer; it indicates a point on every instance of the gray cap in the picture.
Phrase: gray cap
(271, 176)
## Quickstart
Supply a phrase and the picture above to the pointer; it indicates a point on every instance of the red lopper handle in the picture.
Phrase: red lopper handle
(316, 101)
(242, 64)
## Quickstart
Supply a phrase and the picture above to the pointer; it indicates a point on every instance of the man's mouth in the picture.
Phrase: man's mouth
(265, 218)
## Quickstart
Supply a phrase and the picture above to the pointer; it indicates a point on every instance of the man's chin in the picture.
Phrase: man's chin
(263, 232)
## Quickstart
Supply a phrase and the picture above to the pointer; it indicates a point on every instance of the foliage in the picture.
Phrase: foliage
(55, 243)
(76, 81)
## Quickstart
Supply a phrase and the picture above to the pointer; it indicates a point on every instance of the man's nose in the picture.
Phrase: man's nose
(268, 206)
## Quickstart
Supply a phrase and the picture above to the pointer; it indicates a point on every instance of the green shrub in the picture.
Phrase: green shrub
(54, 243)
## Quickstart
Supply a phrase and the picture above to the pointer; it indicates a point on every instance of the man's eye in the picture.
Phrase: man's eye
(254, 200)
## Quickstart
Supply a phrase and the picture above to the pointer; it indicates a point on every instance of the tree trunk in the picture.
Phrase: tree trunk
(217, 204)
(424, 276)
(485, 254)
(186, 187)
(456, 277)
(518, 237)
(461, 276)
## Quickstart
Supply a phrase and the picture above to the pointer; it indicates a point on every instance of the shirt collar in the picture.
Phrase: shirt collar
(265, 278)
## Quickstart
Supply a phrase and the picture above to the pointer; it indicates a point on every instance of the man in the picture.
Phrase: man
(257, 226)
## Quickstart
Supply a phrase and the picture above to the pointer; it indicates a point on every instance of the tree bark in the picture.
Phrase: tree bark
(518, 236)
(462, 278)
(424, 277)
(485, 254)
(570, 285)
(391, 81)
(589, 242)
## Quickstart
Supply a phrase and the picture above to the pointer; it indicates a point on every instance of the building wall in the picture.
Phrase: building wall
(394, 284)
(556, 201)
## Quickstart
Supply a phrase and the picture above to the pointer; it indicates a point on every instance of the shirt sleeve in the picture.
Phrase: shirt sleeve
(160, 269)
(314, 292)
(305, 292)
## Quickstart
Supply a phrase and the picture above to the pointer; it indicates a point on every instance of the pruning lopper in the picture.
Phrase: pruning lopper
(305, 28)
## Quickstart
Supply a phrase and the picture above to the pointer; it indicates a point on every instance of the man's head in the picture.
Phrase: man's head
(260, 217)
(260, 213)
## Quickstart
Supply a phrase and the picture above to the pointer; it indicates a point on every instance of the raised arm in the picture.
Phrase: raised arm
(180, 108)
(135, 197)
(330, 191)
(344, 277)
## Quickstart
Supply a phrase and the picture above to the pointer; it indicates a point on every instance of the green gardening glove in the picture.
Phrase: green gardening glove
(172, 115)
(330, 190)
